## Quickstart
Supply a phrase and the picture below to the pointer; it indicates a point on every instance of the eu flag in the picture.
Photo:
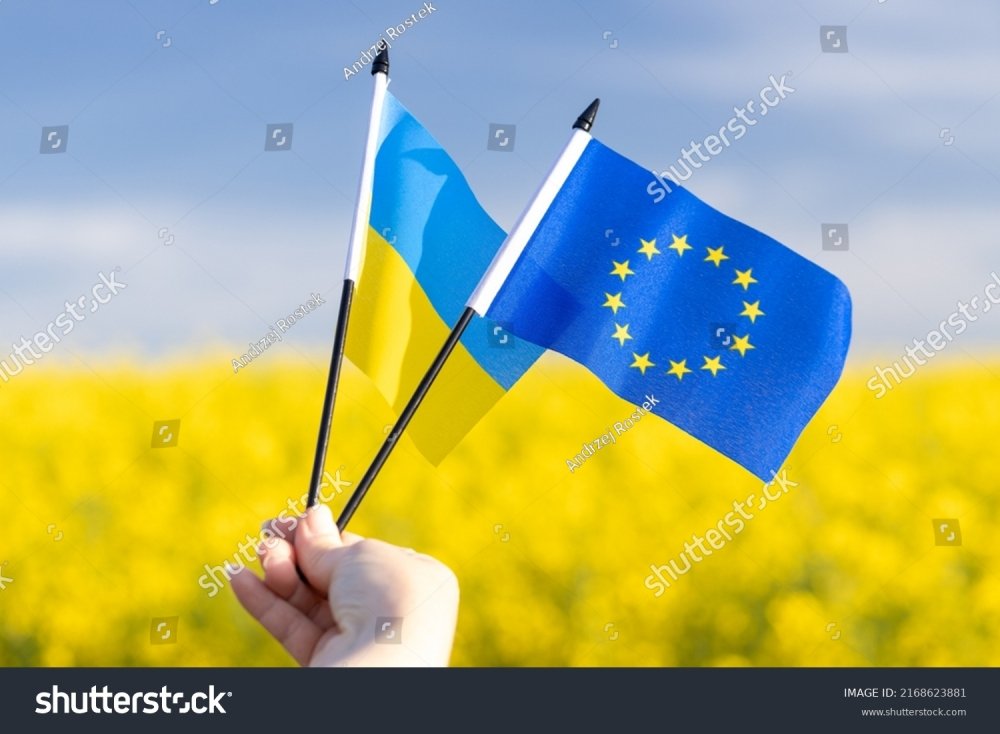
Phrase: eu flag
(739, 338)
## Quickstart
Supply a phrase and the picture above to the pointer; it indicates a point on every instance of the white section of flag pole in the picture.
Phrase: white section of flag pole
(511, 249)
(362, 210)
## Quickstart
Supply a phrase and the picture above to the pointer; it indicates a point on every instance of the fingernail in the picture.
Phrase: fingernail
(318, 516)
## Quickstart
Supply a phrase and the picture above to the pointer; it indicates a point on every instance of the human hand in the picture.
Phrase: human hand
(353, 581)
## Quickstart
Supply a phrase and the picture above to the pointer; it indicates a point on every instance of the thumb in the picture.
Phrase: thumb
(315, 540)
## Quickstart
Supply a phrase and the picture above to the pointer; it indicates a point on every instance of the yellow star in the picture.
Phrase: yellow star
(622, 270)
(649, 248)
(713, 365)
(741, 344)
(641, 362)
(614, 302)
(678, 368)
(680, 244)
(621, 334)
(744, 278)
(752, 311)
(716, 255)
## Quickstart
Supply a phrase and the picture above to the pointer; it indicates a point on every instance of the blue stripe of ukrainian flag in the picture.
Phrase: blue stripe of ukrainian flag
(428, 243)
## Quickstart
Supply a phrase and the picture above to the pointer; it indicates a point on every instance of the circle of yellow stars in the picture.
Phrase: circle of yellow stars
(715, 255)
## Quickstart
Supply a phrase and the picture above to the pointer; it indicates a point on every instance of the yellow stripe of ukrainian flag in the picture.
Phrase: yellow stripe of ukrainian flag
(395, 334)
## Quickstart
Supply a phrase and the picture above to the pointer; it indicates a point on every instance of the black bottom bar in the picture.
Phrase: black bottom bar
(614, 700)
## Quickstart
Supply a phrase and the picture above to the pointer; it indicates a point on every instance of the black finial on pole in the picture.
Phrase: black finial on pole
(381, 63)
(586, 119)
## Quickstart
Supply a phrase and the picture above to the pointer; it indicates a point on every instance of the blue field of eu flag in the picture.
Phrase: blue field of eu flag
(739, 338)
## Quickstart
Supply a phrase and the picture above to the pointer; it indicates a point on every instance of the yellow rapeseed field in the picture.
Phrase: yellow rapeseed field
(103, 534)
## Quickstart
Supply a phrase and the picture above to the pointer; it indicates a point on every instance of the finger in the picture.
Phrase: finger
(296, 632)
(282, 577)
(278, 562)
(316, 543)
(350, 538)
(283, 528)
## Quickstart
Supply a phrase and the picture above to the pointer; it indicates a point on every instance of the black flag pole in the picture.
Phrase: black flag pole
(380, 66)
(478, 303)
(330, 398)
(404, 418)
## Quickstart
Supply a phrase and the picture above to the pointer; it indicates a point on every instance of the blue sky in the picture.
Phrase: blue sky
(167, 105)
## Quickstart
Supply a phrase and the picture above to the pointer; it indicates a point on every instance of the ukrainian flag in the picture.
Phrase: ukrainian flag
(428, 242)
